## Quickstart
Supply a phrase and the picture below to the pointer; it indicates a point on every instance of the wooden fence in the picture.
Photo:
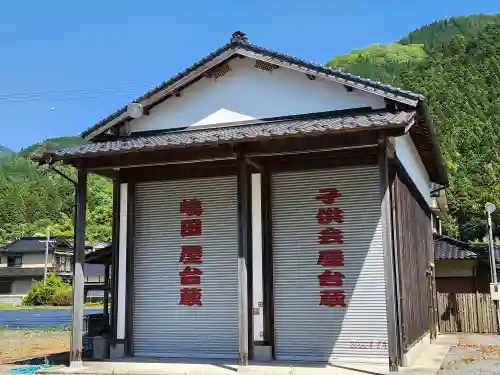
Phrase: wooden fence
(467, 312)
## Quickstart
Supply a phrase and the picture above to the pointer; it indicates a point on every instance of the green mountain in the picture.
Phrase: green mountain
(454, 62)
(52, 144)
(5, 152)
(440, 32)
(460, 76)
(35, 199)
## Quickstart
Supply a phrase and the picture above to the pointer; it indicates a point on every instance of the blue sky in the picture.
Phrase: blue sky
(64, 65)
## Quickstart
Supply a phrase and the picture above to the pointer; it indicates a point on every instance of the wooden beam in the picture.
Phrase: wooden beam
(78, 278)
(179, 172)
(158, 157)
(332, 159)
(386, 153)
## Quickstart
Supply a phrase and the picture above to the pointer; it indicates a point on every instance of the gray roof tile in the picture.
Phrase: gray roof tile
(245, 131)
(449, 248)
(33, 244)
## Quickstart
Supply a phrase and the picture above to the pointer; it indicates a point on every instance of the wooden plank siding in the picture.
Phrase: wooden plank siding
(472, 312)
(413, 241)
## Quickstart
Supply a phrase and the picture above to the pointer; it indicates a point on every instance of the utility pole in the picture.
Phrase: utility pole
(490, 208)
(48, 241)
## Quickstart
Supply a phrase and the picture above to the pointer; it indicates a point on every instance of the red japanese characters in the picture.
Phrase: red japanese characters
(191, 211)
(330, 234)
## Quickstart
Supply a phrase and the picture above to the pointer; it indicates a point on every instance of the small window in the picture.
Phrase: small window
(14, 261)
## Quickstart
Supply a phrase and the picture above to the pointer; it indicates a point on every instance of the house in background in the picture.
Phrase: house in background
(463, 286)
(22, 262)
(461, 266)
(266, 208)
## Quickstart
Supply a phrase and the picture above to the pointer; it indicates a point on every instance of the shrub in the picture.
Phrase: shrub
(62, 297)
(54, 293)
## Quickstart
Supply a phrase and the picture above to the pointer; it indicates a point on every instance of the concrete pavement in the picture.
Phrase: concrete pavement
(428, 363)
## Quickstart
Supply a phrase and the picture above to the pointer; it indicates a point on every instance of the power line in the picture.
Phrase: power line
(64, 95)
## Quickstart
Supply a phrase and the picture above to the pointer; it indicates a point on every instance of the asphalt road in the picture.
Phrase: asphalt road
(38, 318)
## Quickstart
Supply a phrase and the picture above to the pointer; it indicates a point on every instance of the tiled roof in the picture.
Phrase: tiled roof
(240, 45)
(445, 250)
(448, 248)
(311, 124)
(20, 272)
(34, 244)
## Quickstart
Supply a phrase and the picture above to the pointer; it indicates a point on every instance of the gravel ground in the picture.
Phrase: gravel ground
(473, 355)
(20, 344)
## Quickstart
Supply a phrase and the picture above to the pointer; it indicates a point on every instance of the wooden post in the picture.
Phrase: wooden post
(78, 279)
(389, 261)
(243, 242)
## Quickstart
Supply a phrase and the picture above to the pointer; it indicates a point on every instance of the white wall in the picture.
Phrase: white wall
(30, 260)
(455, 268)
(409, 157)
(249, 93)
(36, 260)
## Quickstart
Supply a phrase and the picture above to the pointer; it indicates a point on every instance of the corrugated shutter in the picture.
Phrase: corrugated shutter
(304, 330)
(162, 327)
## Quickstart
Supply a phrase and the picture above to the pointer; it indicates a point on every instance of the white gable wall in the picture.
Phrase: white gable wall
(249, 93)
(409, 157)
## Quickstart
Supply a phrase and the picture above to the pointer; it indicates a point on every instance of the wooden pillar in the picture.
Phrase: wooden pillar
(78, 278)
(386, 156)
(243, 256)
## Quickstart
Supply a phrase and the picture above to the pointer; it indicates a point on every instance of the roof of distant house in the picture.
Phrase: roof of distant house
(35, 244)
(449, 248)
(21, 272)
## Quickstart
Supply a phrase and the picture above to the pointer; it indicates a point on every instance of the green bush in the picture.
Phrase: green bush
(54, 293)
(62, 297)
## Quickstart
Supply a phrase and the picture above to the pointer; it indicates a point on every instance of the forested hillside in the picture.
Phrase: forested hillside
(461, 80)
(454, 62)
(34, 199)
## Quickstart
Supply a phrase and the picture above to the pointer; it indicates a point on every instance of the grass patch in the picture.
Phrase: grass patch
(20, 344)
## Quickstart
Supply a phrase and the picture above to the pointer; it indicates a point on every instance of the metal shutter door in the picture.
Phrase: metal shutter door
(304, 330)
(162, 327)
